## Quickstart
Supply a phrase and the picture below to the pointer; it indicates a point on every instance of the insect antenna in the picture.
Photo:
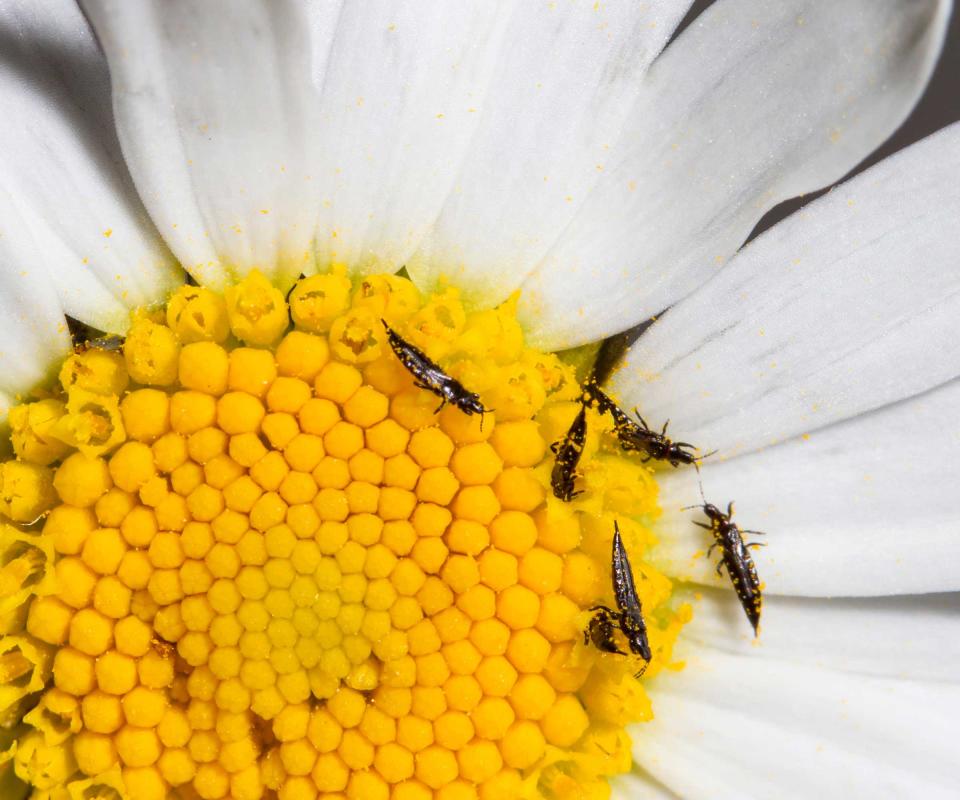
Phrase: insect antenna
(702, 496)
(485, 411)
(696, 462)
(294, 286)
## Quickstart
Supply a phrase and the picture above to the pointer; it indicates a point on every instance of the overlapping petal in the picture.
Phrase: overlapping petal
(912, 637)
(865, 507)
(369, 118)
(33, 331)
(216, 107)
(566, 77)
(754, 103)
(400, 103)
(736, 726)
(270, 135)
(383, 149)
(846, 306)
(79, 222)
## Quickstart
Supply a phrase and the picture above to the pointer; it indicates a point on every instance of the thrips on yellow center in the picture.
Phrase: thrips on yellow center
(247, 557)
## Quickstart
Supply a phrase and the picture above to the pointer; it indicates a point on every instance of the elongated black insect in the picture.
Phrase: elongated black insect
(429, 376)
(568, 451)
(638, 437)
(736, 558)
(628, 618)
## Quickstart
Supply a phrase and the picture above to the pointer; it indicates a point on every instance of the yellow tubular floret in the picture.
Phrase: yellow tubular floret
(269, 568)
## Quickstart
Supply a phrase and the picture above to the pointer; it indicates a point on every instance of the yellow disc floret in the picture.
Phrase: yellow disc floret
(269, 568)
(257, 310)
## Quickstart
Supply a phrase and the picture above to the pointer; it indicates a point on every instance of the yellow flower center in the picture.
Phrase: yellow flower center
(252, 560)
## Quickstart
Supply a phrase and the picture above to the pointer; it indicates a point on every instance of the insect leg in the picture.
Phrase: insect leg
(606, 609)
(643, 422)
(600, 630)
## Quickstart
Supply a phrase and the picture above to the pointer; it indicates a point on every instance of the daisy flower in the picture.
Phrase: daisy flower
(243, 249)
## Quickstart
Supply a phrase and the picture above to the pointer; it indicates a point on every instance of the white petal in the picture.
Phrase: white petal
(730, 726)
(400, 103)
(637, 785)
(33, 332)
(913, 637)
(754, 103)
(565, 81)
(61, 168)
(850, 304)
(216, 112)
(864, 507)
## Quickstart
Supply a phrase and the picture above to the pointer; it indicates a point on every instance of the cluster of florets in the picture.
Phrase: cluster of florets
(252, 560)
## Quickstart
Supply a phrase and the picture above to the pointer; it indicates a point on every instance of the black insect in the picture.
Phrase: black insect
(638, 437)
(568, 451)
(628, 618)
(736, 558)
(429, 376)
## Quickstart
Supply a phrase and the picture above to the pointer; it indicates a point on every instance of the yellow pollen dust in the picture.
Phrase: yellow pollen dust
(247, 557)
